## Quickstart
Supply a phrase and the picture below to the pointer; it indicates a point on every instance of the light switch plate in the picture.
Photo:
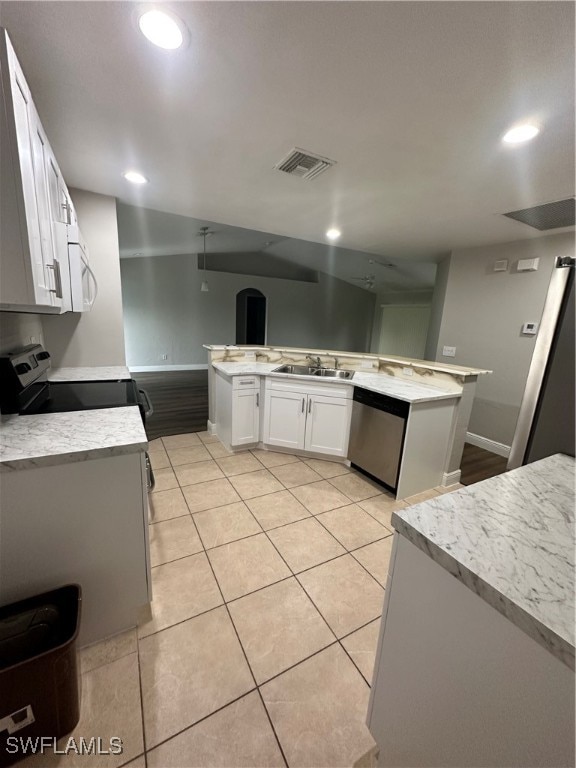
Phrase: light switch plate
(449, 351)
(501, 265)
(528, 265)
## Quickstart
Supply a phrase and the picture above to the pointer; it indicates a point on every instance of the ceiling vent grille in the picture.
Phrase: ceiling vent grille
(304, 164)
(547, 216)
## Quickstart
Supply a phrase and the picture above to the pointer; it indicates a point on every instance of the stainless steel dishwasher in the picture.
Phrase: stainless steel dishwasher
(377, 435)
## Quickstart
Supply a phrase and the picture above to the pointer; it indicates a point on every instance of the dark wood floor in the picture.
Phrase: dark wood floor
(478, 464)
(180, 401)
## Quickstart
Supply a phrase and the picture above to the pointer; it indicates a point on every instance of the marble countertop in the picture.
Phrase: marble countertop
(238, 369)
(410, 392)
(53, 438)
(509, 539)
(89, 373)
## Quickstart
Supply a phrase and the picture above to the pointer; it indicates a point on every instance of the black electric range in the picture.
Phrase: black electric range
(25, 389)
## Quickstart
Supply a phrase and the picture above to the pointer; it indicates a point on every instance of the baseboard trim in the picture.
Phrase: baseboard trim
(451, 478)
(154, 368)
(489, 445)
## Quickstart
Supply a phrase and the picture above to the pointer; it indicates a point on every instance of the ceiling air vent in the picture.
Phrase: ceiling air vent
(306, 165)
(547, 216)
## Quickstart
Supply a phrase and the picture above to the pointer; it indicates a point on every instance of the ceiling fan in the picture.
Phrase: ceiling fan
(368, 280)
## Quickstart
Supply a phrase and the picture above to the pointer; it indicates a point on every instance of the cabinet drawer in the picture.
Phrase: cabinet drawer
(245, 382)
(309, 387)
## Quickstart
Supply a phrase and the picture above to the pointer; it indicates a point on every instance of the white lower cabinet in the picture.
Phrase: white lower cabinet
(327, 425)
(245, 416)
(237, 410)
(285, 419)
(307, 419)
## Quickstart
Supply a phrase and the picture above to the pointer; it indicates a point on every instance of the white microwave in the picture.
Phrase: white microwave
(83, 284)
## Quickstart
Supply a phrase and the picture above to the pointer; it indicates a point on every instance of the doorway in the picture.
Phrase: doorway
(250, 317)
(403, 330)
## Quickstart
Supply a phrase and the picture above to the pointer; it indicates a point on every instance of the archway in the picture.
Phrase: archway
(250, 317)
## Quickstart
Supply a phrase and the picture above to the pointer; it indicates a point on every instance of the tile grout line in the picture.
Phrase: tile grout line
(272, 727)
(141, 700)
(245, 656)
(201, 720)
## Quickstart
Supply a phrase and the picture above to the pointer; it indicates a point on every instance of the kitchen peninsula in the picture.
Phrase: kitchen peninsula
(475, 661)
(271, 397)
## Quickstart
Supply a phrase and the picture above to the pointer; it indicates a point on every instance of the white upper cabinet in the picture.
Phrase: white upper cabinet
(35, 205)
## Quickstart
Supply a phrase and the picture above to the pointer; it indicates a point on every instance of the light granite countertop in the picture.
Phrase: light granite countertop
(89, 373)
(408, 391)
(53, 438)
(393, 359)
(510, 539)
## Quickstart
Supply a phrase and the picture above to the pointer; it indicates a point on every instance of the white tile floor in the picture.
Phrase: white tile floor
(268, 576)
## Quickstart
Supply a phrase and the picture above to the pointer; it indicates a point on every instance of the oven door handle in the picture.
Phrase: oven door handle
(148, 405)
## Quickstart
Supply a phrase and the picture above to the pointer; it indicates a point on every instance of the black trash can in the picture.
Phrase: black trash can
(39, 681)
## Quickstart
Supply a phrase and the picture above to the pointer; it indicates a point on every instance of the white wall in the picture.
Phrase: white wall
(166, 313)
(482, 317)
(95, 337)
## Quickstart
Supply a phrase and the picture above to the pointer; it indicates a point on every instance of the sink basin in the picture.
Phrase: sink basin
(299, 370)
(333, 373)
(306, 370)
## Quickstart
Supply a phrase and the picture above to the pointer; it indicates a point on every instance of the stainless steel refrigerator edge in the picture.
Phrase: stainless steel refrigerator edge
(546, 420)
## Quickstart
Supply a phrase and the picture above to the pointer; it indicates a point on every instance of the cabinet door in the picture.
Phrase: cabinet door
(23, 121)
(41, 157)
(245, 416)
(285, 419)
(328, 425)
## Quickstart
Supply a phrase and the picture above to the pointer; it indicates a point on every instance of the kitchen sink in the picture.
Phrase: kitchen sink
(333, 373)
(306, 370)
(299, 370)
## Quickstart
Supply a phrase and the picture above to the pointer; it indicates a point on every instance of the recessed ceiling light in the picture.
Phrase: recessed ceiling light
(135, 178)
(333, 234)
(161, 28)
(520, 133)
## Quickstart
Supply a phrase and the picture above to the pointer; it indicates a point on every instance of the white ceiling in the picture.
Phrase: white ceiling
(145, 232)
(410, 98)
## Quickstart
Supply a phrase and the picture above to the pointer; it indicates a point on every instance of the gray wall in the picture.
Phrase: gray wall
(437, 308)
(18, 329)
(95, 337)
(166, 313)
(482, 317)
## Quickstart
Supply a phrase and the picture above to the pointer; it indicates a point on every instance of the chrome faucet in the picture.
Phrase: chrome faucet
(316, 360)
(336, 363)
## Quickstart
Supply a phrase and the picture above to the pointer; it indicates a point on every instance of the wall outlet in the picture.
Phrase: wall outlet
(407, 371)
(449, 351)
(367, 364)
(32, 339)
(164, 357)
(250, 356)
